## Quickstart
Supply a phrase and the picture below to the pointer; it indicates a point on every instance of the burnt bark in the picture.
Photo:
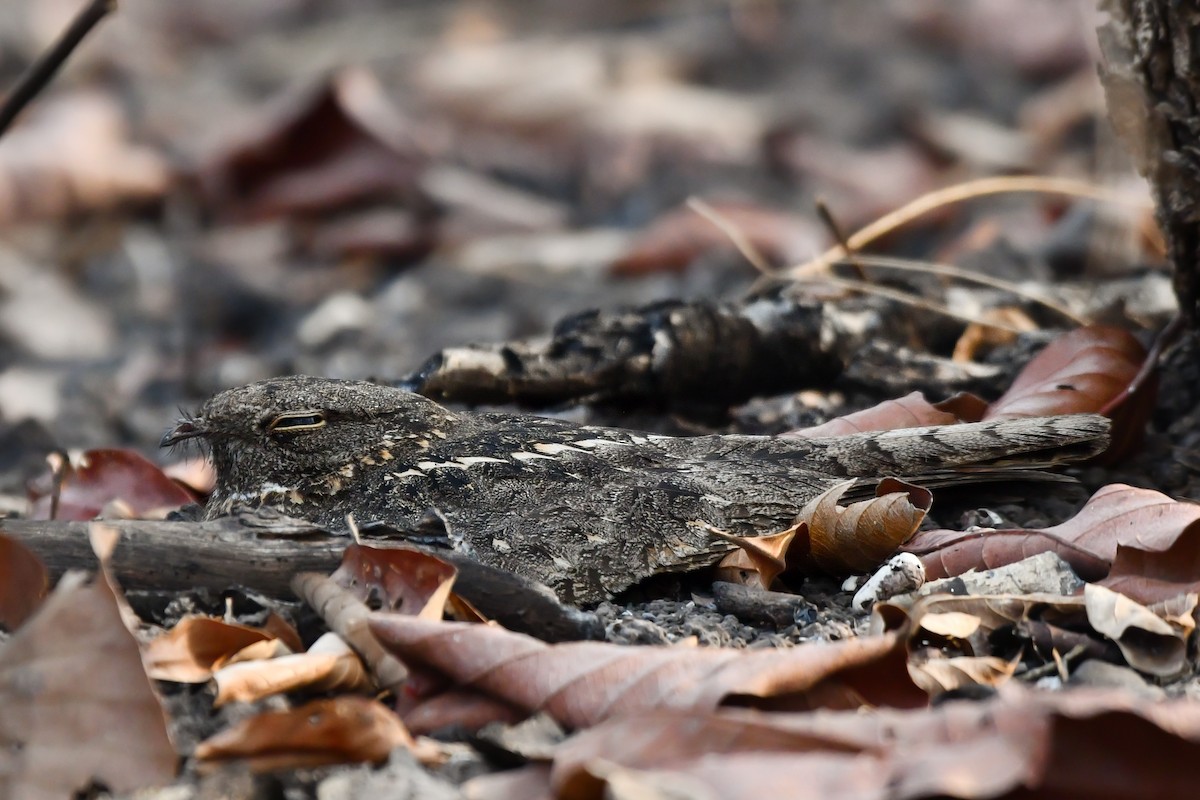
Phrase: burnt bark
(1151, 75)
(675, 354)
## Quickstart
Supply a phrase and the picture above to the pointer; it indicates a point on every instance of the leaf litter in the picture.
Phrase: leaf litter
(339, 184)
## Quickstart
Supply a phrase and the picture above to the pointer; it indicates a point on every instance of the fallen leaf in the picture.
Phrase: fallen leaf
(328, 666)
(1149, 643)
(861, 536)
(188, 652)
(1149, 576)
(1115, 515)
(759, 560)
(23, 582)
(328, 146)
(402, 578)
(1087, 370)
(78, 707)
(581, 683)
(938, 675)
(1151, 640)
(340, 730)
(99, 478)
(463, 709)
(1085, 743)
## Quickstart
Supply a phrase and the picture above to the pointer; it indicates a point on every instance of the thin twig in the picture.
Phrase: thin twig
(839, 236)
(910, 299)
(751, 254)
(739, 239)
(951, 271)
(934, 200)
(43, 70)
(60, 462)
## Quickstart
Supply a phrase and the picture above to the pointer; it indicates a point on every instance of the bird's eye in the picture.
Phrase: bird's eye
(296, 421)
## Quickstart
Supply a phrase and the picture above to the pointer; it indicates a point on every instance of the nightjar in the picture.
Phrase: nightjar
(585, 510)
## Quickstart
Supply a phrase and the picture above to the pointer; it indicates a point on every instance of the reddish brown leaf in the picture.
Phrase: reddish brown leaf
(332, 145)
(1150, 576)
(1116, 515)
(188, 652)
(23, 582)
(77, 705)
(581, 683)
(861, 536)
(910, 411)
(98, 479)
(344, 729)
(673, 241)
(465, 709)
(405, 580)
(1085, 743)
(1086, 370)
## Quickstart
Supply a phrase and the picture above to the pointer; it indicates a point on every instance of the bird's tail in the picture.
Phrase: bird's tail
(1026, 443)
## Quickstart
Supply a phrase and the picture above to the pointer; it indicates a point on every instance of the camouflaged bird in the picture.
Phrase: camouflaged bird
(585, 510)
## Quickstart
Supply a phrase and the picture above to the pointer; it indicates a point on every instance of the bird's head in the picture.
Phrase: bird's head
(295, 432)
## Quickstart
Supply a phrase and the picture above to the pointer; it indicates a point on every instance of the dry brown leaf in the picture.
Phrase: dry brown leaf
(23, 582)
(333, 144)
(1152, 640)
(938, 675)
(964, 625)
(328, 666)
(1115, 515)
(861, 536)
(340, 730)
(580, 683)
(910, 411)
(465, 709)
(188, 652)
(98, 478)
(1077, 744)
(1087, 370)
(1149, 643)
(73, 154)
(1149, 576)
(759, 559)
(77, 705)
(403, 579)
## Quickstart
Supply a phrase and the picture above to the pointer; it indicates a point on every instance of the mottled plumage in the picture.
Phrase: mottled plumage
(586, 510)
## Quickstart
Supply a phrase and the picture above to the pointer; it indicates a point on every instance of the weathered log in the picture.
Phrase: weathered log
(263, 552)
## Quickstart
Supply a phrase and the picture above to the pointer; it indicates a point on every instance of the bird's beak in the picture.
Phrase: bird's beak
(185, 429)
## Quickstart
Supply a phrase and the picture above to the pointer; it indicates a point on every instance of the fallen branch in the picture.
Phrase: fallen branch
(264, 553)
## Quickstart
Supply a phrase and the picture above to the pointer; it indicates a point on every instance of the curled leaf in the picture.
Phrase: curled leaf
(858, 537)
(1116, 515)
